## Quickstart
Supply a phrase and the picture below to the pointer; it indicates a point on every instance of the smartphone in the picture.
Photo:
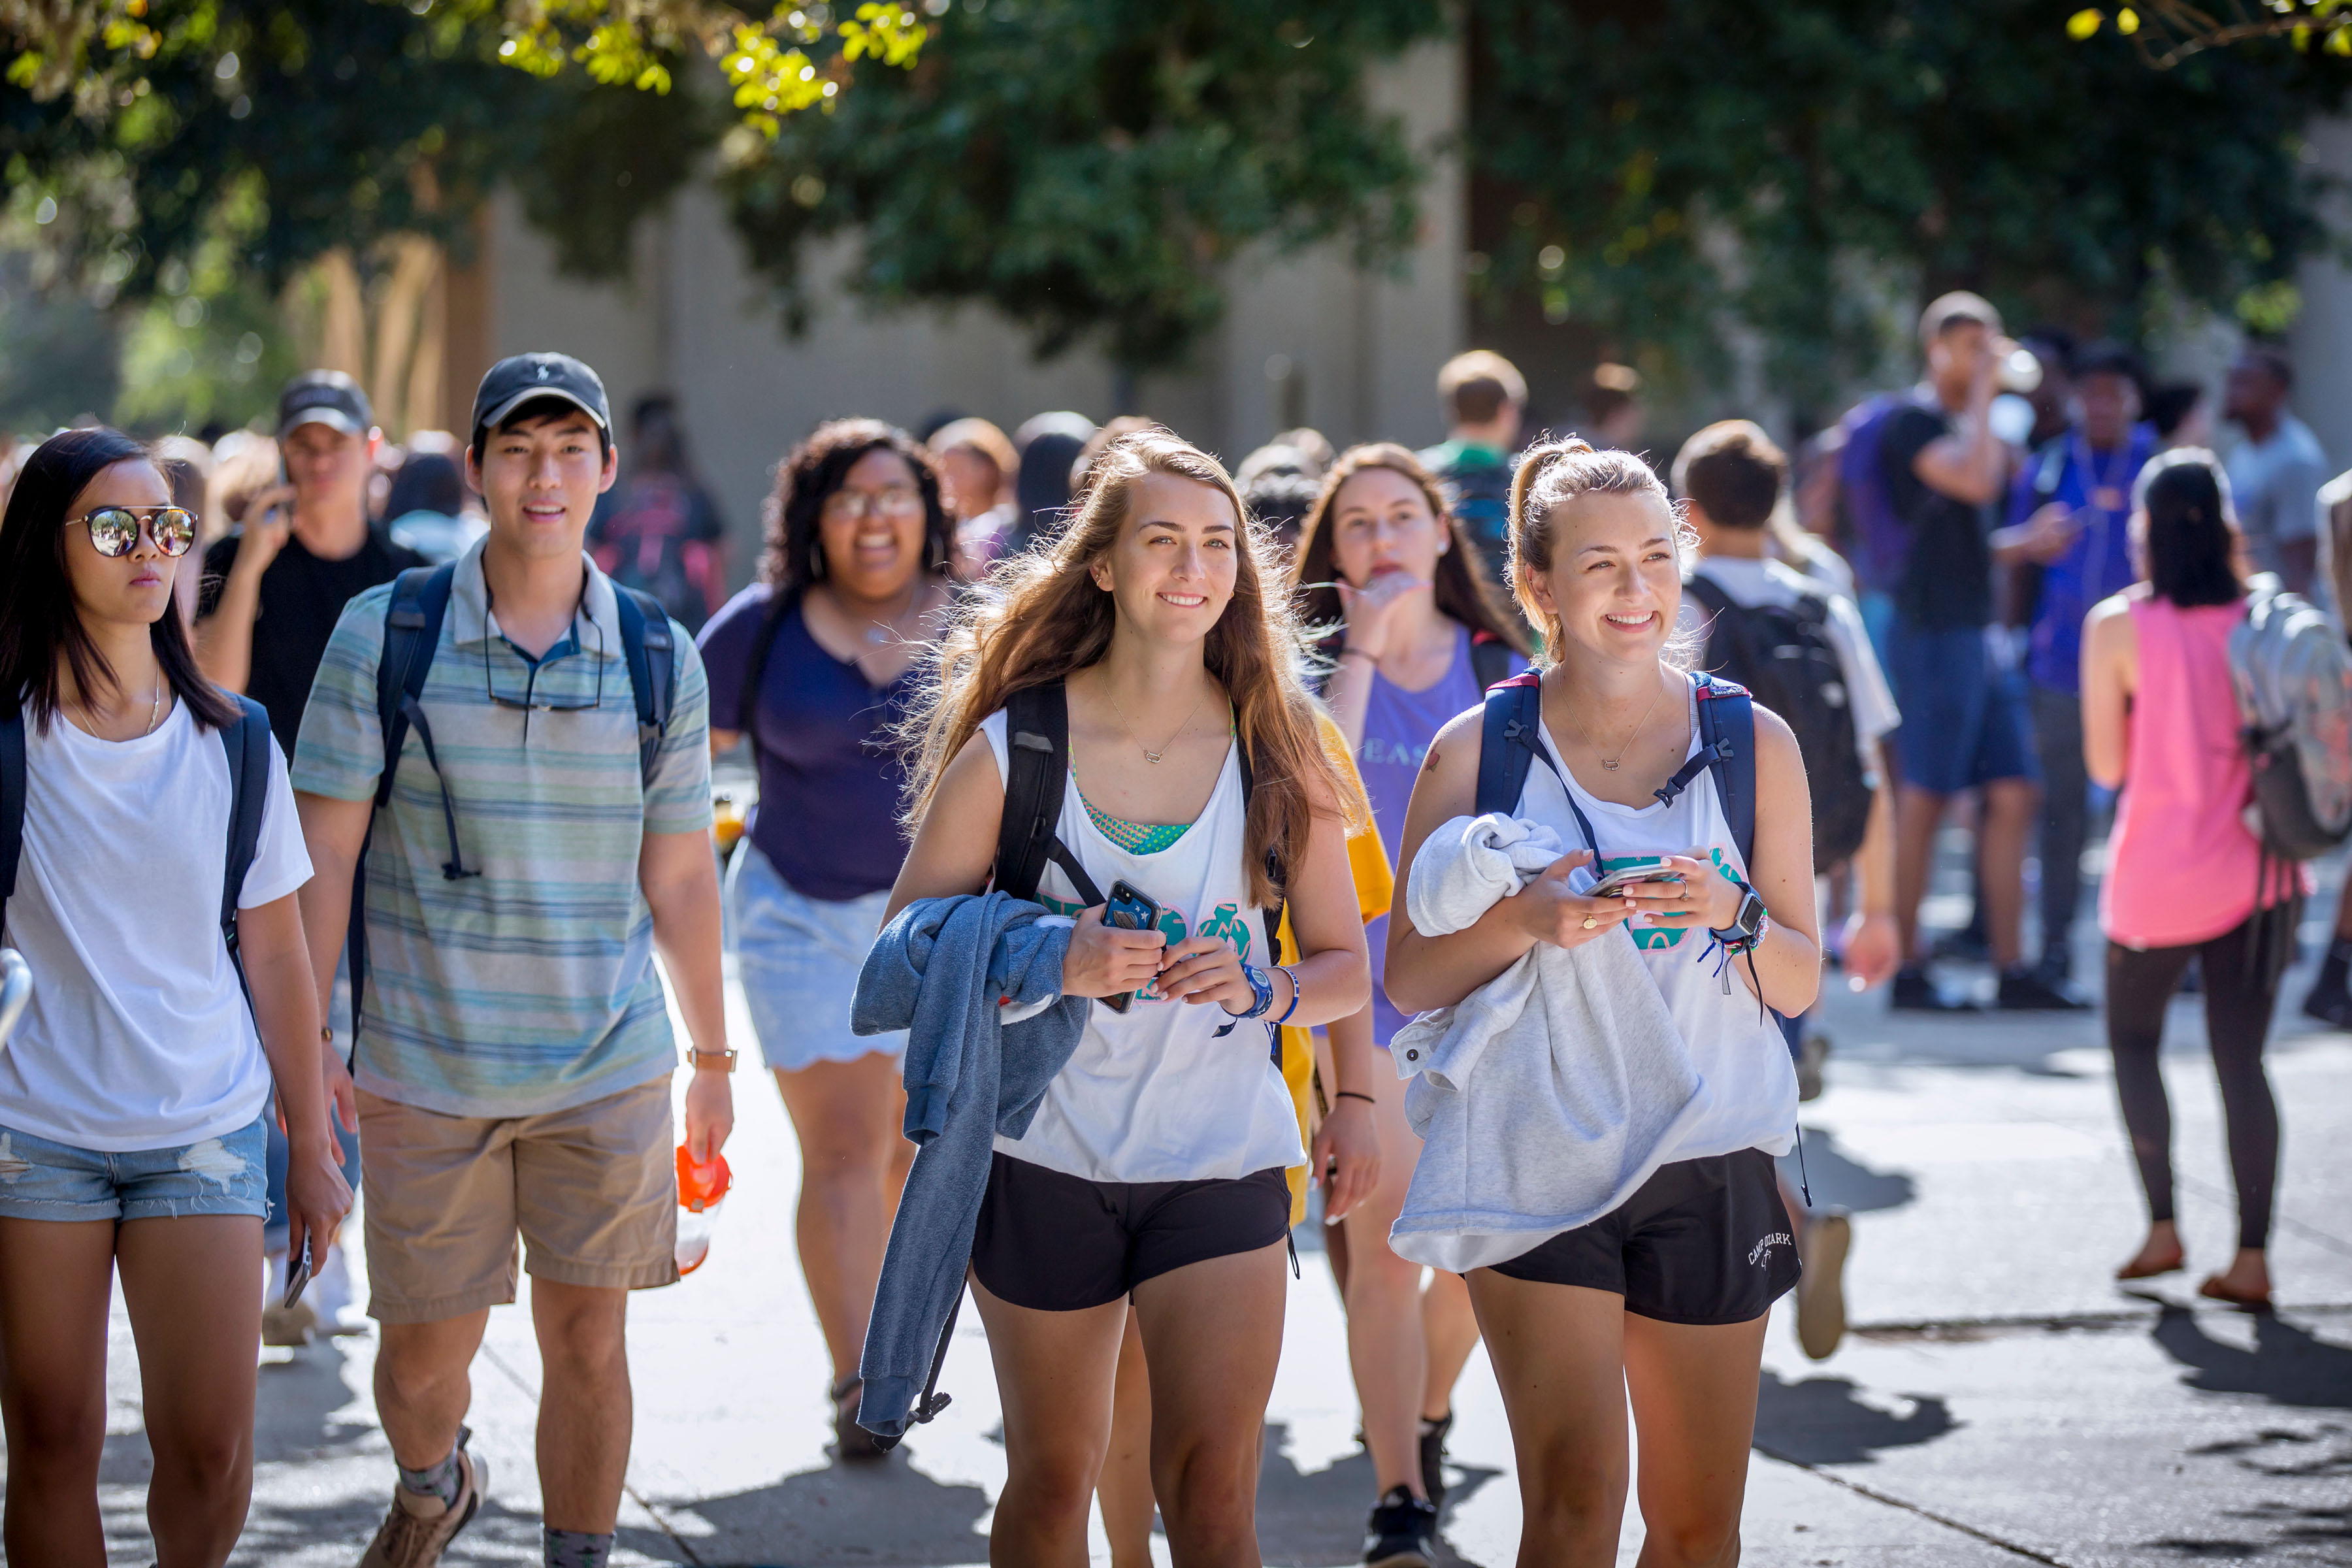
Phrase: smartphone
(297, 1277)
(1624, 876)
(1128, 910)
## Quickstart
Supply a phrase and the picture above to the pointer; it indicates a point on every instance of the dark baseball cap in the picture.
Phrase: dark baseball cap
(326, 397)
(517, 380)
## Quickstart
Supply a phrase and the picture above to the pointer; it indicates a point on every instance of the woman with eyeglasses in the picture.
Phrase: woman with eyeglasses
(133, 1092)
(812, 663)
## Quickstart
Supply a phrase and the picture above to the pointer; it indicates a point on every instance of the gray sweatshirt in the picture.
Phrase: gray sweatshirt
(949, 971)
(1543, 1097)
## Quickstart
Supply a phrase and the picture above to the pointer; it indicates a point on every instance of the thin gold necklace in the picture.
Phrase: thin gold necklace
(1148, 754)
(1610, 764)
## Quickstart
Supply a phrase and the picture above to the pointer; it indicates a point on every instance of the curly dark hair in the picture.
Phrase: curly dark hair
(795, 554)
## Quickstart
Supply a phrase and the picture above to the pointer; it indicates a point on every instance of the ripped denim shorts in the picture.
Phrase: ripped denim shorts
(225, 1175)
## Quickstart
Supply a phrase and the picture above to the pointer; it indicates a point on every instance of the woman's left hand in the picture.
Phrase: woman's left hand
(1705, 897)
(1204, 969)
(1348, 1145)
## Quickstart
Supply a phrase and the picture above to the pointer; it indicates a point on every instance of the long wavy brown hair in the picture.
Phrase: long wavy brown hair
(1040, 617)
(1463, 590)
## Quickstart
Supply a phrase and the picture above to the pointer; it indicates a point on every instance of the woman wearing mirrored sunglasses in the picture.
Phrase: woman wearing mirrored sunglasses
(133, 1092)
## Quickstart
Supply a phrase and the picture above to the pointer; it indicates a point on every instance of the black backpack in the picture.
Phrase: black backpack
(1785, 655)
(247, 743)
(1037, 754)
(412, 632)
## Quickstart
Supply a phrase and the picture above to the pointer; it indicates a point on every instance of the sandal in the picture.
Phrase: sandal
(851, 1441)
(2136, 1269)
(2214, 1290)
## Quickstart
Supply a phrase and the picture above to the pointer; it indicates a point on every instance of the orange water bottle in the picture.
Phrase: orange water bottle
(700, 1191)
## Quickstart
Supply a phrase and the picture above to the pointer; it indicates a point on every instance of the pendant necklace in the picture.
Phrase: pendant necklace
(1610, 764)
(1148, 754)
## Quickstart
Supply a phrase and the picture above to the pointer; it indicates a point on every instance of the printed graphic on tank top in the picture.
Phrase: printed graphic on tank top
(1748, 1082)
(1152, 1094)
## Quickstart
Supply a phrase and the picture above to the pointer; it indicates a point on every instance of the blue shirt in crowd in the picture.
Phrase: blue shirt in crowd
(2097, 486)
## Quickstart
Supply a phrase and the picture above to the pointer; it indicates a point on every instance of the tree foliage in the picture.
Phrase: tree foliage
(1089, 168)
(1675, 166)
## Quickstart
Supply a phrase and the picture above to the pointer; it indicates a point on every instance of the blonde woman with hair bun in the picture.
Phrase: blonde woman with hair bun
(1663, 1297)
(1153, 1170)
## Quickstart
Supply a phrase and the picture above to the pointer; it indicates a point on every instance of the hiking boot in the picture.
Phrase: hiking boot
(2330, 998)
(420, 1526)
(1821, 1245)
(2023, 991)
(1432, 1457)
(850, 1441)
(287, 1326)
(1401, 1532)
(1913, 992)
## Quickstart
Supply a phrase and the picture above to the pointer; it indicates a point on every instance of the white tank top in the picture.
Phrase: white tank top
(1748, 1082)
(1152, 1094)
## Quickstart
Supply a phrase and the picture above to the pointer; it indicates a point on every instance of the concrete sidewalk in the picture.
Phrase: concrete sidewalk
(2001, 1401)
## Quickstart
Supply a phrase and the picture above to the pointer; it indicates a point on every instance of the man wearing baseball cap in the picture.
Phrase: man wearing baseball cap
(271, 590)
(514, 1049)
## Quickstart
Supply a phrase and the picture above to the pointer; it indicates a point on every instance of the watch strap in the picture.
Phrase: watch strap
(698, 1058)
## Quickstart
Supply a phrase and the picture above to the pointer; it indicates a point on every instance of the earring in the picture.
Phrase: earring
(816, 560)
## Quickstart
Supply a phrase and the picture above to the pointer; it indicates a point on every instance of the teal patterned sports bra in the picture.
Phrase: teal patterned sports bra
(1135, 837)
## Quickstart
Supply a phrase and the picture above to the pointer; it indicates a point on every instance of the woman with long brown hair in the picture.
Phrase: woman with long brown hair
(1414, 634)
(815, 662)
(1153, 1169)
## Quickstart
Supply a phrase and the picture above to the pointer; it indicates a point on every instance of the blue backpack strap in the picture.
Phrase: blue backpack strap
(12, 801)
(1727, 735)
(411, 631)
(1508, 742)
(652, 653)
(247, 744)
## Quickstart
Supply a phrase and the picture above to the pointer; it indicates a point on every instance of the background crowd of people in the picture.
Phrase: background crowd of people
(2002, 598)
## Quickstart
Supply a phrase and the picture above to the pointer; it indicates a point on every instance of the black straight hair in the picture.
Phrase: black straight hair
(2191, 540)
(794, 549)
(546, 408)
(39, 623)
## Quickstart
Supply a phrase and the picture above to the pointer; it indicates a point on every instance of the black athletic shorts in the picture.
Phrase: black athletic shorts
(1058, 1243)
(1702, 1241)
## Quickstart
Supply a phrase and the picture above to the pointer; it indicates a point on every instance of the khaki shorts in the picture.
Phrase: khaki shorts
(593, 1192)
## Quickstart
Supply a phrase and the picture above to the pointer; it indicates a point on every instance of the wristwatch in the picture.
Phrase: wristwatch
(698, 1058)
(1261, 991)
(1746, 927)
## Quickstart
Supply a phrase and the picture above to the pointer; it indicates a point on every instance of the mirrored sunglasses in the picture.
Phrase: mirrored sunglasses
(114, 530)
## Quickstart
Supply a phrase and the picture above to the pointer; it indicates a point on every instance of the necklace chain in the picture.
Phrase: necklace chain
(886, 627)
(1148, 754)
(1610, 764)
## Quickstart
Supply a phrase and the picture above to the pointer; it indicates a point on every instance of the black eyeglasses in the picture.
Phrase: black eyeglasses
(114, 530)
(530, 701)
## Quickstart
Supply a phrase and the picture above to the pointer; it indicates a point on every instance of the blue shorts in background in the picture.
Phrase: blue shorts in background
(1966, 720)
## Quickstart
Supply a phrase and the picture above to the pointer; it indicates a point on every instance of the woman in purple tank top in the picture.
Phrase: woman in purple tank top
(2184, 873)
(1422, 634)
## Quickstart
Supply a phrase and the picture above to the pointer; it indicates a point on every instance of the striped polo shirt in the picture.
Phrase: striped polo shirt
(530, 987)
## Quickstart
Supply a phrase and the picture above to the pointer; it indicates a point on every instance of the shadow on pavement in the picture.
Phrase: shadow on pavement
(2288, 1365)
(1839, 1180)
(1819, 1422)
(1319, 1516)
(887, 1512)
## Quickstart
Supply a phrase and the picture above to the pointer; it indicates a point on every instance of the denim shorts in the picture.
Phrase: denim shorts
(799, 958)
(41, 1180)
(1966, 720)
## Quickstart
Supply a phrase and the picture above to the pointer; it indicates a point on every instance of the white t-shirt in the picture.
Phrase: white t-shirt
(1752, 582)
(138, 1035)
(1152, 1094)
(1742, 1058)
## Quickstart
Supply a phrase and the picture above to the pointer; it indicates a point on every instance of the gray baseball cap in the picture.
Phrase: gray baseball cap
(326, 397)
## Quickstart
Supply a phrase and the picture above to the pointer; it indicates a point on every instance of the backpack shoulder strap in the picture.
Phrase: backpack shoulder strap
(411, 630)
(1726, 733)
(1490, 659)
(652, 654)
(12, 800)
(247, 742)
(1037, 765)
(771, 624)
(1508, 743)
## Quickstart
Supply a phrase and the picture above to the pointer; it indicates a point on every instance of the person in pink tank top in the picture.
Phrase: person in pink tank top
(2161, 722)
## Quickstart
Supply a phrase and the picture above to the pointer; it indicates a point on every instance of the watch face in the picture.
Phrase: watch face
(1751, 913)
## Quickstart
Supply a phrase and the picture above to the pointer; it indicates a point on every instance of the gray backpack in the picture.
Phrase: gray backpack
(2293, 674)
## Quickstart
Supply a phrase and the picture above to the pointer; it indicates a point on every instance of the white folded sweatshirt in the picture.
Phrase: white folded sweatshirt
(1544, 1098)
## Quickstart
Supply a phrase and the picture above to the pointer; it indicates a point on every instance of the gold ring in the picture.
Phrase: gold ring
(1589, 922)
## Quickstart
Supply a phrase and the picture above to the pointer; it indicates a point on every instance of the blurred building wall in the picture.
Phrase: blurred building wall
(2321, 338)
(1352, 352)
